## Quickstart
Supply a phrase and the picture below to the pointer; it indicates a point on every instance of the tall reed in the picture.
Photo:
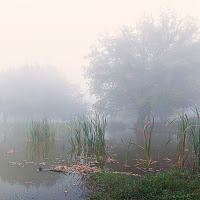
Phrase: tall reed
(146, 130)
(88, 133)
(182, 127)
(41, 129)
(189, 130)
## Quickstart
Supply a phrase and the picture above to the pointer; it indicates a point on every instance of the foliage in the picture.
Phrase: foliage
(146, 130)
(34, 91)
(189, 128)
(174, 184)
(41, 130)
(88, 133)
(149, 63)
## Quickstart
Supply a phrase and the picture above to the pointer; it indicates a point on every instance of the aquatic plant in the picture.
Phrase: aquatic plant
(88, 133)
(195, 138)
(189, 130)
(182, 127)
(41, 129)
(146, 130)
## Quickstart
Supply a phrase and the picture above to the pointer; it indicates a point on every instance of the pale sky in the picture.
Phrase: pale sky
(60, 32)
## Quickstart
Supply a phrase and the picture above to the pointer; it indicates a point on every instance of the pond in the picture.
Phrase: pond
(28, 170)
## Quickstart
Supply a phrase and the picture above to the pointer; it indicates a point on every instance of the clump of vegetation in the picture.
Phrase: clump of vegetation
(174, 184)
(41, 130)
(87, 133)
(189, 131)
(146, 130)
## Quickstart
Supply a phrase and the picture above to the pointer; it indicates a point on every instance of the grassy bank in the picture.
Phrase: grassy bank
(174, 184)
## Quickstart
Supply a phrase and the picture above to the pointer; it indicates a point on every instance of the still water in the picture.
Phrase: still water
(20, 161)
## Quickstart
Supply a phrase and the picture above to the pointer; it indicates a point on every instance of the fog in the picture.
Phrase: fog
(63, 58)
(34, 91)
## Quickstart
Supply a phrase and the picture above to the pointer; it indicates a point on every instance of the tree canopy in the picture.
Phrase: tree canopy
(156, 62)
(33, 91)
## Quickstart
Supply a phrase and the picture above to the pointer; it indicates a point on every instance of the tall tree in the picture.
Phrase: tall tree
(156, 62)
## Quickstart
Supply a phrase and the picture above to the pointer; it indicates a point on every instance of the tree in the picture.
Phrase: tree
(155, 63)
(32, 91)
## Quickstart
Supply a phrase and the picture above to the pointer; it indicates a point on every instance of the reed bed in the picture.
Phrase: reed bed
(88, 134)
(189, 132)
(146, 130)
(41, 130)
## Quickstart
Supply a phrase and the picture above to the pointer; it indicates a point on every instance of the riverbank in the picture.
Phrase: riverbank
(173, 184)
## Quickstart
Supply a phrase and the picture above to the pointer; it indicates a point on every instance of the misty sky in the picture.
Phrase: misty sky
(60, 32)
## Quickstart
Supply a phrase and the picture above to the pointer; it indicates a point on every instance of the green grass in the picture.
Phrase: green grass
(174, 184)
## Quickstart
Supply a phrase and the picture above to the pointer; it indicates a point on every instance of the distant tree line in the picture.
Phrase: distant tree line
(34, 91)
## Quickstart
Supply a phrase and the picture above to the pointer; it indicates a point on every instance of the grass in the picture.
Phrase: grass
(174, 184)
(87, 134)
(41, 130)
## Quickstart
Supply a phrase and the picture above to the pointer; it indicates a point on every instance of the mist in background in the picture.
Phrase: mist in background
(63, 58)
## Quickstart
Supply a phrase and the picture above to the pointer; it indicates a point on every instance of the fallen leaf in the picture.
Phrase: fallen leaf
(10, 151)
(154, 162)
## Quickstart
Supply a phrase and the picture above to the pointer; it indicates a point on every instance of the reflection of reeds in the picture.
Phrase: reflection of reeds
(41, 129)
(40, 149)
(126, 152)
(88, 133)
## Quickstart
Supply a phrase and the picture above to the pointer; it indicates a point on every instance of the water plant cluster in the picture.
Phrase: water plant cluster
(42, 129)
(146, 130)
(87, 134)
(189, 140)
